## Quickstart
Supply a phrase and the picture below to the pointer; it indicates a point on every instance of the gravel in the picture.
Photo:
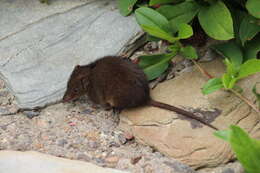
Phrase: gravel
(80, 131)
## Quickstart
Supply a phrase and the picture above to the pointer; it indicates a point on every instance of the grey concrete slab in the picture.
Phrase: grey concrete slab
(31, 162)
(36, 59)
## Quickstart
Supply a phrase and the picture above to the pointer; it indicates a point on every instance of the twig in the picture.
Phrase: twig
(202, 70)
(245, 100)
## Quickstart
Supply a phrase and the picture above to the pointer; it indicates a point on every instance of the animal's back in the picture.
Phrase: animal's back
(119, 82)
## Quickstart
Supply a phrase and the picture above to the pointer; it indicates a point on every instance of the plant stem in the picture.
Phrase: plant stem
(245, 100)
(202, 70)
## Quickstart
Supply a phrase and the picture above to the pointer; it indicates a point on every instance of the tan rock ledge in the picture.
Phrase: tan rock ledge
(185, 139)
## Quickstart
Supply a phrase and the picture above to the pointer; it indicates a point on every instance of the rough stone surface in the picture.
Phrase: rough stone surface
(80, 131)
(186, 140)
(233, 167)
(41, 44)
(22, 13)
(31, 162)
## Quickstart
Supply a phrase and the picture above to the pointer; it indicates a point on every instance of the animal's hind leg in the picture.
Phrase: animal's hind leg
(116, 110)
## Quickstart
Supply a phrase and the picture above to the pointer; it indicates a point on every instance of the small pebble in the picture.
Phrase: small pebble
(100, 161)
(31, 114)
(128, 136)
(38, 145)
(112, 159)
(209, 56)
(83, 157)
(87, 111)
(135, 160)
(74, 146)
(93, 144)
(122, 139)
(14, 109)
(3, 93)
(72, 124)
(150, 46)
(228, 170)
(104, 154)
(113, 144)
(4, 111)
(3, 127)
(62, 142)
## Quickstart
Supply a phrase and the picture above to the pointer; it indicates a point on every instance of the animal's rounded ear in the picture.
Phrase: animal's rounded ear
(77, 66)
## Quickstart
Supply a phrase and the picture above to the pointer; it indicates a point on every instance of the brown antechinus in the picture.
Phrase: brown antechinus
(114, 82)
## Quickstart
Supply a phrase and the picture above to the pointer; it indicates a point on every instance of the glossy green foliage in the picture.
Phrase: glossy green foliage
(232, 75)
(231, 51)
(216, 21)
(222, 20)
(126, 6)
(249, 27)
(155, 2)
(253, 7)
(246, 149)
(189, 52)
(251, 48)
(157, 25)
(179, 13)
(212, 85)
(155, 65)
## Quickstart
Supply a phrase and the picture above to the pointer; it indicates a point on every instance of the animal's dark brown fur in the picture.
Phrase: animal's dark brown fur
(110, 82)
(114, 82)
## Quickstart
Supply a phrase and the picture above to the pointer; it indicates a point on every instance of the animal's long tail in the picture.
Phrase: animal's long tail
(180, 111)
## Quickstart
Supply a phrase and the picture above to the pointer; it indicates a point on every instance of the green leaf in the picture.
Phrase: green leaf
(126, 6)
(248, 28)
(156, 70)
(184, 31)
(232, 70)
(252, 48)
(157, 32)
(232, 83)
(223, 134)
(155, 2)
(230, 77)
(237, 16)
(148, 60)
(247, 150)
(216, 21)
(151, 38)
(212, 85)
(189, 52)
(179, 13)
(253, 7)
(150, 18)
(155, 65)
(250, 67)
(174, 48)
(226, 79)
(231, 51)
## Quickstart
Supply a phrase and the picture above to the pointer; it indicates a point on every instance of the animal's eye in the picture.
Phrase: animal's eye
(75, 90)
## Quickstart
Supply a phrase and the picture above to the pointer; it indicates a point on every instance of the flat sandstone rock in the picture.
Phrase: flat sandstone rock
(184, 139)
(32, 162)
(40, 44)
